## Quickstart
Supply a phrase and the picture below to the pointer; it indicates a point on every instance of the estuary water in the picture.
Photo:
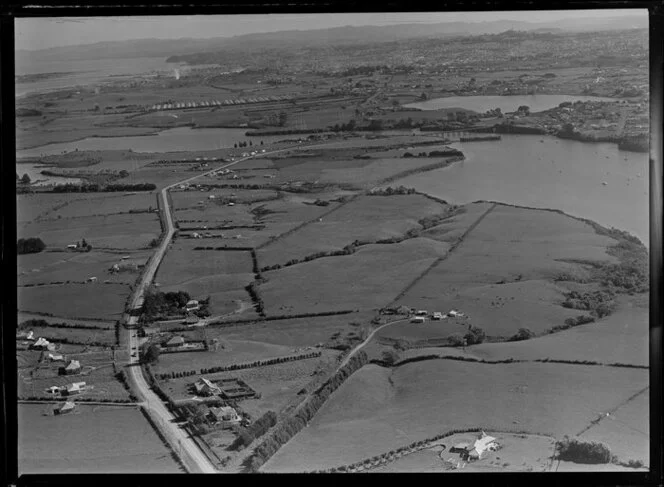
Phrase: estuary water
(589, 180)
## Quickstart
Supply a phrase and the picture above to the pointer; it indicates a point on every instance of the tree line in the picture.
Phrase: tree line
(258, 428)
(98, 188)
(249, 365)
(289, 427)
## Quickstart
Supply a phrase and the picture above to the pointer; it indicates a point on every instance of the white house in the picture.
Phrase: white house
(204, 387)
(225, 415)
(417, 319)
(482, 444)
(75, 388)
(43, 344)
(192, 305)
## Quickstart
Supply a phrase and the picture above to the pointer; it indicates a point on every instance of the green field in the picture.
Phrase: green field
(109, 232)
(377, 409)
(48, 267)
(92, 300)
(222, 275)
(519, 453)
(368, 218)
(97, 439)
(369, 278)
(500, 273)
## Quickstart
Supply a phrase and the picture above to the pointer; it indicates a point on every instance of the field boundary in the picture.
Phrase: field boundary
(441, 259)
(597, 420)
(287, 233)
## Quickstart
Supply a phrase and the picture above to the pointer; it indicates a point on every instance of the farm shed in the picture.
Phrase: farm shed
(176, 341)
(65, 408)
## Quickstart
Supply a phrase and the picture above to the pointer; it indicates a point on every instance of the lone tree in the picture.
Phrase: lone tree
(525, 109)
(151, 354)
(25, 179)
(475, 335)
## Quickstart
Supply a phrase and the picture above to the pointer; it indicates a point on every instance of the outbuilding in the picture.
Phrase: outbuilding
(176, 341)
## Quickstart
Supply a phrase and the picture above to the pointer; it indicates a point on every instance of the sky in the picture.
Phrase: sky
(42, 33)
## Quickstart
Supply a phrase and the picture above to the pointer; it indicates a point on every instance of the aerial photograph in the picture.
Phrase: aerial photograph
(333, 242)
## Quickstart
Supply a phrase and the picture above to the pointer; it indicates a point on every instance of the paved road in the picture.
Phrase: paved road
(194, 459)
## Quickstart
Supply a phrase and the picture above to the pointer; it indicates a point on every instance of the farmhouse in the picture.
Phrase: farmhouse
(67, 407)
(437, 315)
(204, 387)
(192, 305)
(417, 319)
(73, 367)
(176, 341)
(43, 344)
(55, 357)
(482, 444)
(147, 331)
(54, 390)
(226, 416)
(75, 388)
(25, 335)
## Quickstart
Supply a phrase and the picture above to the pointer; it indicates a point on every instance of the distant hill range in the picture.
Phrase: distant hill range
(313, 38)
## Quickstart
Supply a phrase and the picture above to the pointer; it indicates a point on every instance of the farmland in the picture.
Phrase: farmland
(518, 453)
(348, 282)
(125, 231)
(99, 439)
(92, 300)
(315, 234)
(367, 415)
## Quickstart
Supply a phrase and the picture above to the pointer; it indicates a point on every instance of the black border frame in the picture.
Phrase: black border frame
(53, 8)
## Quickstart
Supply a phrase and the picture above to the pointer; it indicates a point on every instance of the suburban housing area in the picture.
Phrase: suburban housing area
(339, 256)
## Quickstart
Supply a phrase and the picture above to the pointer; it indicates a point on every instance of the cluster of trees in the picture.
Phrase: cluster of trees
(157, 303)
(151, 353)
(599, 303)
(243, 144)
(257, 429)
(345, 127)
(522, 334)
(98, 188)
(249, 365)
(573, 450)
(289, 427)
(31, 245)
(23, 180)
(572, 322)
(631, 275)
(474, 335)
(389, 191)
